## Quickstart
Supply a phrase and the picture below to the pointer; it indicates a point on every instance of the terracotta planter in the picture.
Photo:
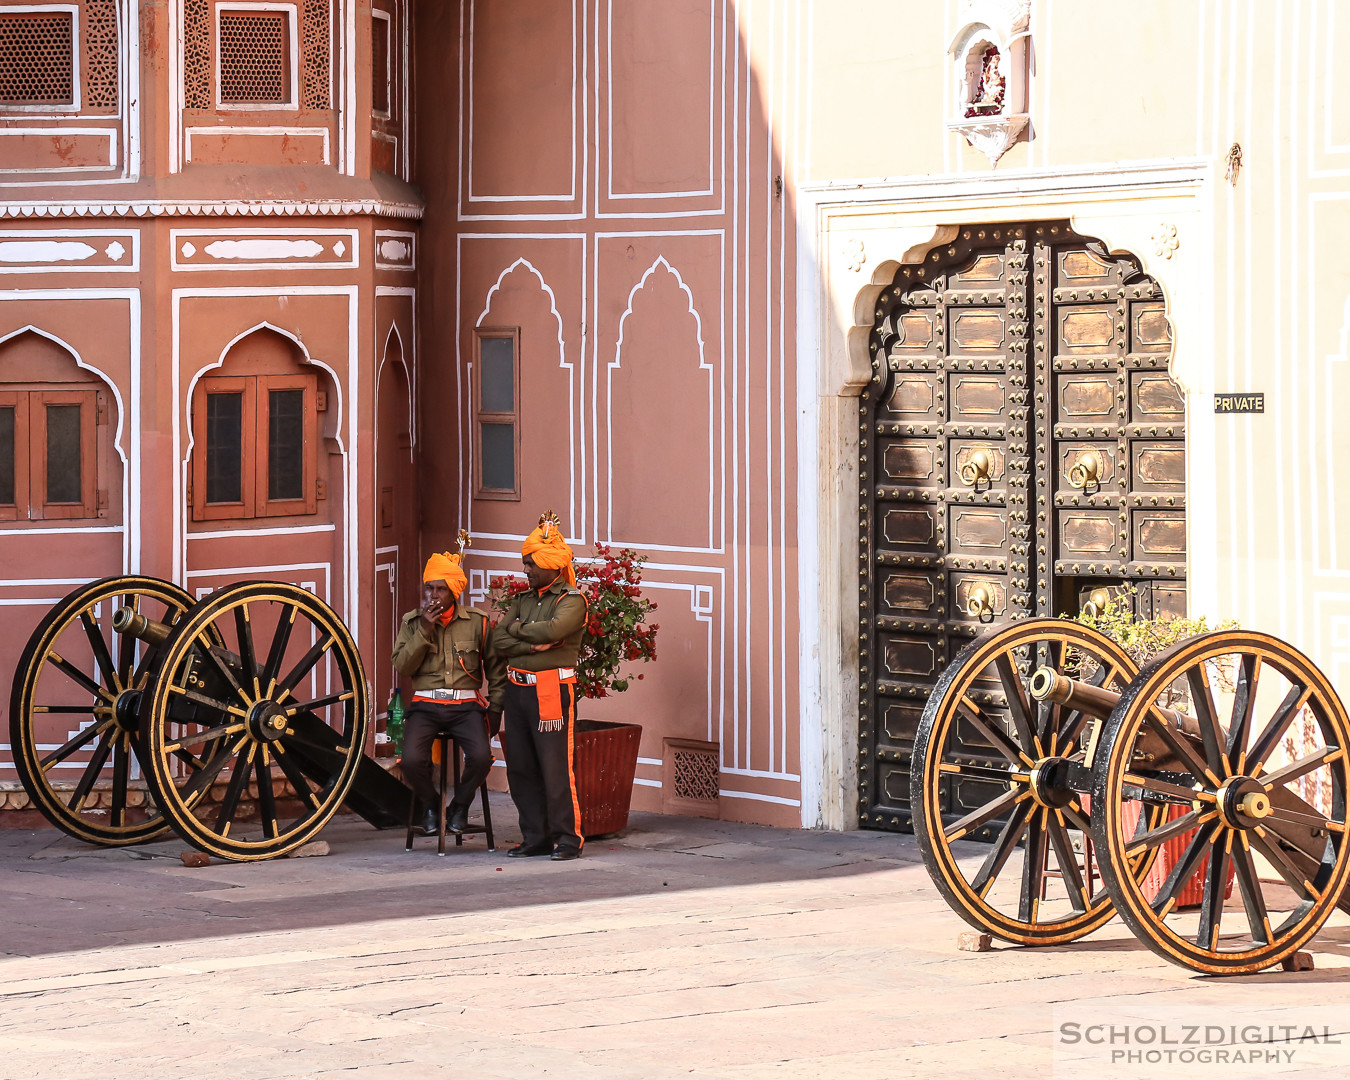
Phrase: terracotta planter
(605, 763)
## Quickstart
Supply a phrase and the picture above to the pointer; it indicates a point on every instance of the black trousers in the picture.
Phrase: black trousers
(466, 722)
(539, 770)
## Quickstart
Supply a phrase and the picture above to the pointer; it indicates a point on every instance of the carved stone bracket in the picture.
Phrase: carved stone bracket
(991, 135)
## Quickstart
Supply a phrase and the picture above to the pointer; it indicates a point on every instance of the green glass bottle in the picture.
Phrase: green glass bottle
(394, 721)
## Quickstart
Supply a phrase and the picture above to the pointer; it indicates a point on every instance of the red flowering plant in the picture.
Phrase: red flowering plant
(617, 633)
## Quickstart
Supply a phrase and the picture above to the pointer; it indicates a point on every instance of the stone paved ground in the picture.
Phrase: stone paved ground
(684, 949)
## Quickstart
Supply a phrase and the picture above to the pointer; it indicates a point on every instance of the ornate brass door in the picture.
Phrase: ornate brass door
(1022, 449)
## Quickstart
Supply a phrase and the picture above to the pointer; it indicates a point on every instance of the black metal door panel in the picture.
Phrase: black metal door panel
(1021, 443)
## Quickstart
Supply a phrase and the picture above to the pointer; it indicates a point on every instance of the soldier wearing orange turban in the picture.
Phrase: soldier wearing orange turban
(539, 636)
(548, 550)
(446, 649)
(449, 569)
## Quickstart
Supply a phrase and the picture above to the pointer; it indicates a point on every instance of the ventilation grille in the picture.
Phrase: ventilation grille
(36, 62)
(99, 36)
(690, 777)
(315, 48)
(196, 54)
(696, 775)
(254, 58)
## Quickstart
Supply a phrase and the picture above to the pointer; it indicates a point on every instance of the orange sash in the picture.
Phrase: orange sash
(548, 692)
(548, 688)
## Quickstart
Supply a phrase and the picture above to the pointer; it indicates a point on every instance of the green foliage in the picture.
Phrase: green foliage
(1143, 638)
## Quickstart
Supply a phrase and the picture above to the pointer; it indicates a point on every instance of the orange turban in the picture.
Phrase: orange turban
(549, 550)
(446, 567)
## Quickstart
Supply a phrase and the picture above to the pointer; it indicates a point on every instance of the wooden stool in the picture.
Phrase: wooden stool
(450, 749)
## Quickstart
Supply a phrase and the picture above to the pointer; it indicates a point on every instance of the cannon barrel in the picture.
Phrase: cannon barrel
(127, 620)
(1047, 684)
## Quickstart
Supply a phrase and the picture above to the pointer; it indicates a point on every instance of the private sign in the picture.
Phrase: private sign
(1239, 403)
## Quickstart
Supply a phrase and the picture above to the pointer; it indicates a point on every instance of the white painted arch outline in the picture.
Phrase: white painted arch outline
(117, 434)
(401, 360)
(704, 365)
(183, 417)
(563, 363)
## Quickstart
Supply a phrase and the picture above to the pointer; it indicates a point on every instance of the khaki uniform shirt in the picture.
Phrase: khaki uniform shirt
(556, 614)
(459, 656)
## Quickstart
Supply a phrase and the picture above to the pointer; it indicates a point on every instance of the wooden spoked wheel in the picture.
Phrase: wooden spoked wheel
(73, 709)
(1252, 768)
(989, 762)
(283, 696)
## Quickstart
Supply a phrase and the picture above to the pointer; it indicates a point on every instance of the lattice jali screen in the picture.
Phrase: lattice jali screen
(37, 66)
(696, 775)
(690, 777)
(196, 54)
(255, 53)
(315, 52)
(98, 41)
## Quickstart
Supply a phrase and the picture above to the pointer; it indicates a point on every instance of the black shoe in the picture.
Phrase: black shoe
(521, 851)
(431, 824)
(563, 854)
(459, 819)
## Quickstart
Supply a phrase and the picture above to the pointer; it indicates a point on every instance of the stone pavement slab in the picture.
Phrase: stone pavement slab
(685, 948)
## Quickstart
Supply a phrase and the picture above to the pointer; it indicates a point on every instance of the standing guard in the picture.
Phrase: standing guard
(539, 636)
(446, 648)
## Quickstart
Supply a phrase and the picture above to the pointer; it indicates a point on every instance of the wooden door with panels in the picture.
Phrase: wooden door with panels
(1022, 453)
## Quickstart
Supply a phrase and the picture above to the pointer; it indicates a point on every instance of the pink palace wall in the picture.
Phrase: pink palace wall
(609, 185)
(131, 278)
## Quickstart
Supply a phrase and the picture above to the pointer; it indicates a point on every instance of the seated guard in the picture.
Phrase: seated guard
(446, 648)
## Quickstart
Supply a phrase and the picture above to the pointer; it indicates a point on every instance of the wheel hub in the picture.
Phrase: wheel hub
(267, 721)
(1243, 802)
(1047, 784)
(126, 709)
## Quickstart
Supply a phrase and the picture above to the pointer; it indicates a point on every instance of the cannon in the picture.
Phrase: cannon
(1150, 793)
(237, 720)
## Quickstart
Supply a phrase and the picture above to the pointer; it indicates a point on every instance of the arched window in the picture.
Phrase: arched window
(55, 449)
(255, 433)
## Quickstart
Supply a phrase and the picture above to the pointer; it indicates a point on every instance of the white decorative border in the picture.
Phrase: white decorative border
(409, 238)
(349, 259)
(342, 70)
(125, 123)
(388, 20)
(466, 55)
(213, 208)
(132, 236)
(715, 116)
(321, 133)
(407, 349)
(45, 110)
(292, 104)
(110, 133)
(714, 545)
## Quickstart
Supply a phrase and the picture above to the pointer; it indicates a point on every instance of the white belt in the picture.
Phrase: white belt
(529, 678)
(447, 695)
